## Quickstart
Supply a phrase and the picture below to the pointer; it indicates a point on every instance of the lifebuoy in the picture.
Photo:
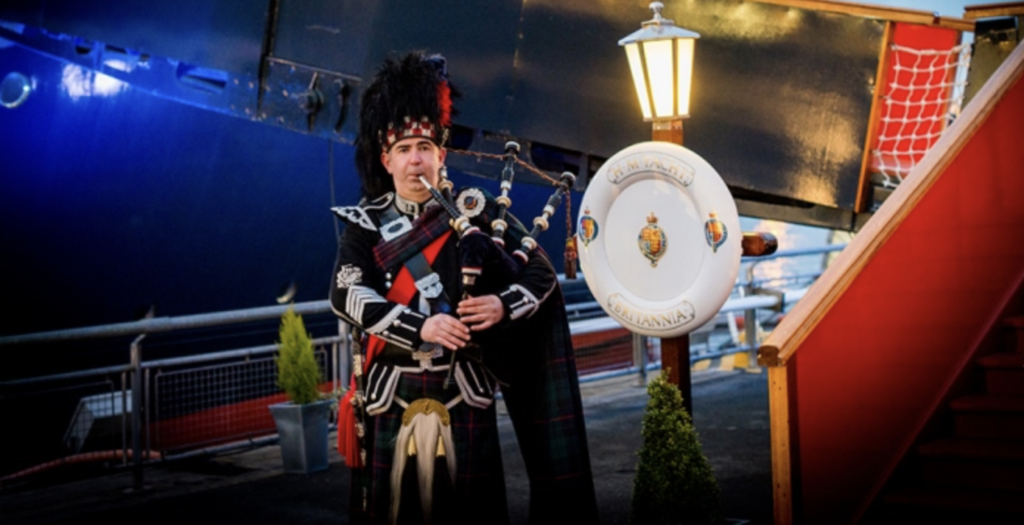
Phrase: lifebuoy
(659, 239)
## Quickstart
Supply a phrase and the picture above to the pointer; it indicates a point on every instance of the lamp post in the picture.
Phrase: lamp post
(661, 62)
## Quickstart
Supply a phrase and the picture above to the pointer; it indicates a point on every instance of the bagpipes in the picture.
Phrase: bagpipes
(498, 225)
(479, 253)
(483, 255)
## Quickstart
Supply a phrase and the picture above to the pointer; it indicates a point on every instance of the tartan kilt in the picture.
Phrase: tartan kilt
(542, 395)
(479, 492)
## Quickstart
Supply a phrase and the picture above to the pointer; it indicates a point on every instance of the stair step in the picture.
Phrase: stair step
(1004, 373)
(989, 416)
(936, 504)
(1009, 360)
(975, 449)
(991, 463)
(1016, 323)
(989, 403)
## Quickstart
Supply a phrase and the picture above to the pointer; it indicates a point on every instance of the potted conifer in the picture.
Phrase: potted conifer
(674, 483)
(302, 421)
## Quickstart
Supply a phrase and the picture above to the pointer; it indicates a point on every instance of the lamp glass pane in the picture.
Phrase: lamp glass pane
(636, 68)
(658, 55)
(684, 54)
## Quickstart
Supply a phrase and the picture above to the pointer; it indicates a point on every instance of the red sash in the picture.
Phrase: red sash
(401, 292)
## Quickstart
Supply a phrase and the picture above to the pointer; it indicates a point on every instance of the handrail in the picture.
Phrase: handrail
(794, 252)
(583, 327)
(602, 324)
(895, 14)
(974, 12)
(168, 324)
(780, 346)
(232, 354)
(173, 361)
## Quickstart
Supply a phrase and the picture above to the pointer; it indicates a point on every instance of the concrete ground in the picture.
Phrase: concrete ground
(730, 414)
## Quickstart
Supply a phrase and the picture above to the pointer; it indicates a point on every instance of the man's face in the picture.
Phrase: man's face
(407, 160)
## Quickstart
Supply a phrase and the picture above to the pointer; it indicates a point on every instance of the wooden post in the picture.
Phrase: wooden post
(864, 198)
(675, 356)
(781, 440)
(668, 131)
(675, 351)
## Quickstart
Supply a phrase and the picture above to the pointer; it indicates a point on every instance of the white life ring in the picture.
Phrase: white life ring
(659, 239)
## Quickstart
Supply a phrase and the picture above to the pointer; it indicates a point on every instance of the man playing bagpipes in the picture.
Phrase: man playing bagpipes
(418, 425)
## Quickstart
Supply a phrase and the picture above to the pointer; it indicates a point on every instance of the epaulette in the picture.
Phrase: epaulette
(358, 214)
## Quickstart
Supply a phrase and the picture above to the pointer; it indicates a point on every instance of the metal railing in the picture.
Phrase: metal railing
(151, 410)
(749, 296)
(167, 408)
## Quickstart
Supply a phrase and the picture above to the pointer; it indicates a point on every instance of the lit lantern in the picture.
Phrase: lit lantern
(661, 61)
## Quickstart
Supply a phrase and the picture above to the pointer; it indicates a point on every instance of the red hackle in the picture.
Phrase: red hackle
(444, 102)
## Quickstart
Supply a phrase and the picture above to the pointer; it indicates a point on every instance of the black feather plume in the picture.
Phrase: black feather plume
(413, 86)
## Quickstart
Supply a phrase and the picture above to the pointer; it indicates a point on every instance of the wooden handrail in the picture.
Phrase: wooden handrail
(780, 346)
(895, 14)
(974, 12)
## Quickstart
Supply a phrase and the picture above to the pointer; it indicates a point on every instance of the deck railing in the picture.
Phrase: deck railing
(211, 401)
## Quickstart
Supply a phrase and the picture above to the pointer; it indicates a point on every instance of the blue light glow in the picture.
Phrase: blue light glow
(79, 82)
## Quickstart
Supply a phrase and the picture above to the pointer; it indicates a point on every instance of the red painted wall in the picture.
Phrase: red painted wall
(869, 371)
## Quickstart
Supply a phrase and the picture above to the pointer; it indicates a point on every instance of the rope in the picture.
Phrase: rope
(925, 94)
(519, 161)
(536, 171)
(570, 260)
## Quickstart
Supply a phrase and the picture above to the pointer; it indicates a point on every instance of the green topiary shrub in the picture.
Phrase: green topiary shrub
(298, 373)
(674, 482)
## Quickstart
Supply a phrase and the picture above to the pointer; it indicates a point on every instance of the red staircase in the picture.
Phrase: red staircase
(974, 471)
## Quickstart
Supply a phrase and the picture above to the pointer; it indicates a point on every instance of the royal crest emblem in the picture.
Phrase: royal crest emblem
(471, 202)
(652, 240)
(587, 228)
(715, 232)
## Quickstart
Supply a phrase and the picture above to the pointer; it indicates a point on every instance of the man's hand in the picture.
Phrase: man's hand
(445, 330)
(481, 312)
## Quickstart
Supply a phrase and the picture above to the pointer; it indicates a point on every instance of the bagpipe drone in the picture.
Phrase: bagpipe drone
(484, 257)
